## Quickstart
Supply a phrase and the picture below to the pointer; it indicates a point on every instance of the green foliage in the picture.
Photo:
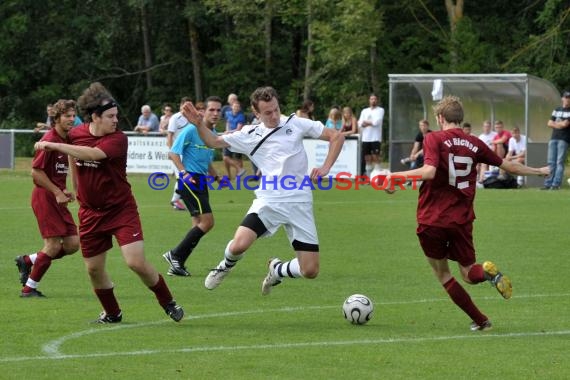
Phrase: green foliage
(52, 49)
(343, 36)
(547, 51)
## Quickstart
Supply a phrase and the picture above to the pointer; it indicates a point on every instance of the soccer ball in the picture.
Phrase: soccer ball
(377, 177)
(357, 309)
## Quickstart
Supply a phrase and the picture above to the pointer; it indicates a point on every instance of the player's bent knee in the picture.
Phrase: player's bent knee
(310, 273)
(206, 225)
(71, 249)
(137, 266)
(237, 249)
(95, 272)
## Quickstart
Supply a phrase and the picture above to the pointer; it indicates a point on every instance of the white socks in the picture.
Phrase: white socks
(230, 260)
(290, 269)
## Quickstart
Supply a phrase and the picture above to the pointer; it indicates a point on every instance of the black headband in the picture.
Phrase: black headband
(102, 108)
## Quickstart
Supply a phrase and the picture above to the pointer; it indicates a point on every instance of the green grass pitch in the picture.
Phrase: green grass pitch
(368, 245)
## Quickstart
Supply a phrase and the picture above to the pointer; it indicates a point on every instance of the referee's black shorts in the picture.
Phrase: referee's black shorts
(195, 194)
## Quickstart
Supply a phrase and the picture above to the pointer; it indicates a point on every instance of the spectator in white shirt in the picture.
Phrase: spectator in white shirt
(370, 128)
(517, 147)
(487, 137)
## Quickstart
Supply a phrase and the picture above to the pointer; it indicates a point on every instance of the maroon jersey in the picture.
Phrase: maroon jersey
(102, 184)
(54, 164)
(447, 199)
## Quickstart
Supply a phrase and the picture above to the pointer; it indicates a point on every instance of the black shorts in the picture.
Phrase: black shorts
(195, 195)
(371, 147)
(229, 153)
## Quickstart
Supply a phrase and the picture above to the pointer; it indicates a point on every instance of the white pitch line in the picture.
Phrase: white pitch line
(52, 348)
(277, 346)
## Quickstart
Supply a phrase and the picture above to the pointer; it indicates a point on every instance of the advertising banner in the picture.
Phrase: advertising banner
(148, 155)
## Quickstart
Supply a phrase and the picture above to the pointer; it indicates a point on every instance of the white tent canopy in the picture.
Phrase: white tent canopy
(519, 100)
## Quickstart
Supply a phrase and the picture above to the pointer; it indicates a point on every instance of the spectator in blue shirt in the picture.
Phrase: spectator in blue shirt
(148, 121)
(235, 119)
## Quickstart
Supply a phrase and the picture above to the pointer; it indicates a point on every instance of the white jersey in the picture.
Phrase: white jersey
(488, 138)
(517, 146)
(176, 123)
(280, 155)
(376, 116)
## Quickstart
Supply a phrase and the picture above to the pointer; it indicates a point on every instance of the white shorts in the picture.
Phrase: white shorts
(296, 218)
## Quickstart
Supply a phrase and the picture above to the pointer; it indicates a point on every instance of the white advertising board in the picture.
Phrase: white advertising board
(347, 160)
(148, 155)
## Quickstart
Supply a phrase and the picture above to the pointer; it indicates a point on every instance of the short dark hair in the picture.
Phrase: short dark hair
(185, 99)
(214, 98)
(262, 94)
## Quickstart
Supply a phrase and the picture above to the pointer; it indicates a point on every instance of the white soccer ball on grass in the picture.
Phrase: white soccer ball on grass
(357, 309)
(377, 177)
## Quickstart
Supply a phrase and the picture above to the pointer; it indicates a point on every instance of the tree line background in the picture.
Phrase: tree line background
(335, 52)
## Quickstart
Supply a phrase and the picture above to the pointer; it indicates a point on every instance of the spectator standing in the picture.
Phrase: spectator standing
(235, 120)
(148, 121)
(466, 127)
(107, 207)
(228, 107)
(416, 158)
(370, 125)
(49, 120)
(77, 121)
(164, 119)
(307, 110)
(334, 120)
(558, 144)
(349, 122)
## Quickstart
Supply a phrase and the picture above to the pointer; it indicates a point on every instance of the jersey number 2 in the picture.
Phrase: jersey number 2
(456, 173)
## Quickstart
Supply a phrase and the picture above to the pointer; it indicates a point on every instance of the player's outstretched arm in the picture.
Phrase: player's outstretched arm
(520, 169)
(397, 179)
(86, 153)
(424, 173)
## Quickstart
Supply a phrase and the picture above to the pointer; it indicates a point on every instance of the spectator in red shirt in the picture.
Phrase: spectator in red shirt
(445, 207)
(501, 141)
(107, 206)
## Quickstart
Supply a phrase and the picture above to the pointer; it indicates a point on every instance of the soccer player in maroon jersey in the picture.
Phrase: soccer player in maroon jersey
(49, 202)
(445, 207)
(107, 206)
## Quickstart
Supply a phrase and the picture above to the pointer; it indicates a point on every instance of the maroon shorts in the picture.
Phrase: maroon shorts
(453, 243)
(97, 228)
(54, 220)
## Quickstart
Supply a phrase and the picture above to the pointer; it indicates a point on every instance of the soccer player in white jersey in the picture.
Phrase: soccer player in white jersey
(276, 147)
